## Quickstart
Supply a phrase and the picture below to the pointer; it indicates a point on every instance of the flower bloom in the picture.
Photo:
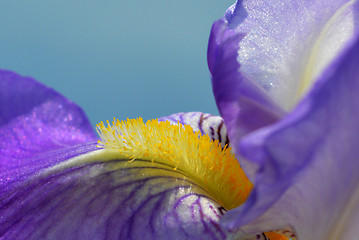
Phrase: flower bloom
(174, 177)
(58, 182)
(161, 180)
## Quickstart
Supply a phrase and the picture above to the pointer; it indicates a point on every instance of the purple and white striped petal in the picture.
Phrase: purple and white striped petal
(208, 124)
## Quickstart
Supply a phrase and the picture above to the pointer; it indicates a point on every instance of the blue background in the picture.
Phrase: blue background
(118, 59)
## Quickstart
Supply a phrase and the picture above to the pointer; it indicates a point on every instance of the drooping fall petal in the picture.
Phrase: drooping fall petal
(109, 200)
(55, 182)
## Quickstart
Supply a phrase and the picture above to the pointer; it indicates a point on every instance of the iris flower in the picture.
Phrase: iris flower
(285, 78)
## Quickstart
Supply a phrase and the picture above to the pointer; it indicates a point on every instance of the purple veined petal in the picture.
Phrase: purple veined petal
(66, 188)
(97, 196)
(285, 45)
(308, 164)
(35, 119)
(55, 183)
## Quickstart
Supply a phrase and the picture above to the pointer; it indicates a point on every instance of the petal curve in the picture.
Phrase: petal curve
(35, 119)
(242, 103)
(308, 162)
(287, 42)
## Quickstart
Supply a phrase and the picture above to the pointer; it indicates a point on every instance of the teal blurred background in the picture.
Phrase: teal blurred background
(121, 58)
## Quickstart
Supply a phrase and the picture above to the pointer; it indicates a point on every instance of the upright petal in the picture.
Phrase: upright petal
(242, 103)
(308, 162)
(287, 44)
(274, 48)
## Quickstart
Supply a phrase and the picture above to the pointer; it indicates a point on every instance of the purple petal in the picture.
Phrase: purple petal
(242, 103)
(55, 185)
(35, 124)
(93, 197)
(308, 167)
(285, 45)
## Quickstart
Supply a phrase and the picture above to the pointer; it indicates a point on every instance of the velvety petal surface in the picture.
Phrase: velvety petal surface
(36, 124)
(97, 197)
(308, 162)
(287, 44)
(55, 183)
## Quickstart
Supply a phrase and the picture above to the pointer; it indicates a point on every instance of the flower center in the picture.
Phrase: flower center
(194, 155)
(327, 45)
